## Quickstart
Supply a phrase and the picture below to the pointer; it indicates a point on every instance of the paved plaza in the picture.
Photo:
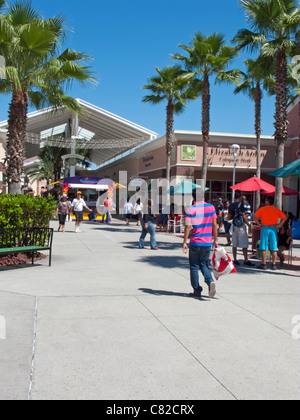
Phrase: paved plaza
(110, 321)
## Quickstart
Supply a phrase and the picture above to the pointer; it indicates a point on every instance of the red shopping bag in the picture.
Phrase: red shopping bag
(222, 263)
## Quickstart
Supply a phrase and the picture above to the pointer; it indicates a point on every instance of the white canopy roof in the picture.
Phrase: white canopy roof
(107, 134)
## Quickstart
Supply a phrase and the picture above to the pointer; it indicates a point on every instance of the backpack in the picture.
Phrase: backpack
(238, 219)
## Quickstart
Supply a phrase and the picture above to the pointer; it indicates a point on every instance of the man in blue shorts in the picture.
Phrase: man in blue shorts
(271, 219)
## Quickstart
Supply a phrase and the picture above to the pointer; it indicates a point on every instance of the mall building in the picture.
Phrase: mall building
(149, 161)
(118, 145)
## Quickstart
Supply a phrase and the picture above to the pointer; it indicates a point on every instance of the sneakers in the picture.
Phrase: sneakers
(197, 293)
(262, 267)
(212, 290)
(249, 264)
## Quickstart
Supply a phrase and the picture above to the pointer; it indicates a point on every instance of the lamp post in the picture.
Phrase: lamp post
(235, 148)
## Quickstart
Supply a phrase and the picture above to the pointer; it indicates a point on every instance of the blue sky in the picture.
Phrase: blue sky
(128, 38)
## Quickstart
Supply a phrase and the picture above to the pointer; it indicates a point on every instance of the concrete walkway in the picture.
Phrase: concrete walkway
(110, 321)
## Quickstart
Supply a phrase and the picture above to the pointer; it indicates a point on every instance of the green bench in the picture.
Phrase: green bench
(26, 241)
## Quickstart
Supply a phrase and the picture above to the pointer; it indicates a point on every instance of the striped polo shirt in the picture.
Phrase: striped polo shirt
(201, 216)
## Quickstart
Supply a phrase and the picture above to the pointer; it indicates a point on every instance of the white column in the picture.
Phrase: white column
(74, 134)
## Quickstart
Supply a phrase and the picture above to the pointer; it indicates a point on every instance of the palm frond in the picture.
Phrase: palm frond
(22, 13)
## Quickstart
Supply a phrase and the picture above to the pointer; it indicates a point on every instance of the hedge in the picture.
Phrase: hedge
(26, 211)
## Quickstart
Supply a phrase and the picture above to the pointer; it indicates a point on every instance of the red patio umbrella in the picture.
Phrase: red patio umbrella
(253, 184)
(285, 191)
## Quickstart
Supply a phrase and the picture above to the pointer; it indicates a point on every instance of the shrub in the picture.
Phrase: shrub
(26, 211)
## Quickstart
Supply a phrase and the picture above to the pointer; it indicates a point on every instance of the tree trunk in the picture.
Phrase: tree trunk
(169, 143)
(15, 150)
(258, 97)
(281, 121)
(205, 125)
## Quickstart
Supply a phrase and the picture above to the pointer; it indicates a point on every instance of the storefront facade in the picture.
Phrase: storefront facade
(149, 162)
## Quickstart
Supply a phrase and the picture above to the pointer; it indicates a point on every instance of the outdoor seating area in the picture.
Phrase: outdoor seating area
(26, 241)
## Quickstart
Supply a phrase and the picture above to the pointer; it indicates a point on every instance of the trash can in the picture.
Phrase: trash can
(256, 234)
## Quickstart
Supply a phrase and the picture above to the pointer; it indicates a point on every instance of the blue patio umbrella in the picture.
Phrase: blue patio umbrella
(184, 187)
(292, 169)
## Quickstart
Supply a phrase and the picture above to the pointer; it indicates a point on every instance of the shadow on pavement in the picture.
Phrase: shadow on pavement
(163, 246)
(168, 293)
(166, 261)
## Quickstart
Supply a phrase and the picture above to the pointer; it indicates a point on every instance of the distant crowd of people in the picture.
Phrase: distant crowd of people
(203, 225)
(237, 218)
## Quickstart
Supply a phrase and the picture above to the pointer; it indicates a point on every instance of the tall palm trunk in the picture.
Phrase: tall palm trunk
(169, 143)
(281, 121)
(205, 124)
(258, 97)
(15, 150)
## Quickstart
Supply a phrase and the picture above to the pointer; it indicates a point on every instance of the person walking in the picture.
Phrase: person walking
(138, 209)
(271, 219)
(226, 222)
(202, 217)
(148, 221)
(78, 205)
(220, 208)
(240, 223)
(106, 214)
(128, 210)
(63, 210)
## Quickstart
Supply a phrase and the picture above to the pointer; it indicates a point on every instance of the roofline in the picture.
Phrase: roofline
(215, 134)
(117, 117)
(94, 108)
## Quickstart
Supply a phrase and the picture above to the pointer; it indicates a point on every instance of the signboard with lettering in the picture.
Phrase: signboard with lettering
(223, 157)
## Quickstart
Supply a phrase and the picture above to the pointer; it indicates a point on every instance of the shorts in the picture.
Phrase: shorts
(62, 219)
(269, 237)
(79, 216)
(240, 237)
(227, 226)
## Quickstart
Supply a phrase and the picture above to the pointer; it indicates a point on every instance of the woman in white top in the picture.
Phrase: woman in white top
(128, 210)
(138, 208)
(78, 205)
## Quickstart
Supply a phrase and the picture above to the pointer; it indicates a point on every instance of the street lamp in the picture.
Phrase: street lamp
(235, 148)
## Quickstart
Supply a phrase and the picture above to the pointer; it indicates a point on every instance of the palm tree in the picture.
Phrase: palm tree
(45, 171)
(254, 82)
(275, 26)
(176, 87)
(208, 56)
(51, 164)
(54, 154)
(35, 74)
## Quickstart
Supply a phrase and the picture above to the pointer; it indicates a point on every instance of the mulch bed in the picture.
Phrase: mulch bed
(18, 259)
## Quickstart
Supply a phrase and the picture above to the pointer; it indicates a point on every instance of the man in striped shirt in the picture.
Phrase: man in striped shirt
(203, 218)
